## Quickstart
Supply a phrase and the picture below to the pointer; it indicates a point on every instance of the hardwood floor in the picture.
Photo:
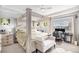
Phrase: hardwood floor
(64, 46)
(60, 48)
(15, 48)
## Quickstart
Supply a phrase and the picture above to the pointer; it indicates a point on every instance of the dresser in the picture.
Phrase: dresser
(7, 39)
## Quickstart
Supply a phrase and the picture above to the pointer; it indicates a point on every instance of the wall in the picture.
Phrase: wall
(44, 24)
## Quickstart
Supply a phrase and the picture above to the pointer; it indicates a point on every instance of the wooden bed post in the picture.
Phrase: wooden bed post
(28, 30)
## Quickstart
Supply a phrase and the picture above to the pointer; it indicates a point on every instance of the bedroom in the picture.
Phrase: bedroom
(35, 25)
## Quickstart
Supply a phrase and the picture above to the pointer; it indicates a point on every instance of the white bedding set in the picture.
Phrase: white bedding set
(43, 42)
(38, 35)
(38, 40)
(45, 45)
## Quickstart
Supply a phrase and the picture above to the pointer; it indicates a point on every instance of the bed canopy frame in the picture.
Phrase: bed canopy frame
(28, 15)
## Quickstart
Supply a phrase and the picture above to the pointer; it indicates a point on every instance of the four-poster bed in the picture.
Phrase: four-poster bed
(31, 39)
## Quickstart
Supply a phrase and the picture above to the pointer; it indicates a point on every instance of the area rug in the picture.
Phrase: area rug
(61, 50)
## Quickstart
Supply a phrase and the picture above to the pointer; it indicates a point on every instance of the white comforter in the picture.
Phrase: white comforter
(37, 35)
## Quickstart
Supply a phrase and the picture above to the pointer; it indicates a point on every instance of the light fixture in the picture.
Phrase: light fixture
(44, 8)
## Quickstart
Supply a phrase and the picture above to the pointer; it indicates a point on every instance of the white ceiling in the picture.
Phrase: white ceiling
(17, 10)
